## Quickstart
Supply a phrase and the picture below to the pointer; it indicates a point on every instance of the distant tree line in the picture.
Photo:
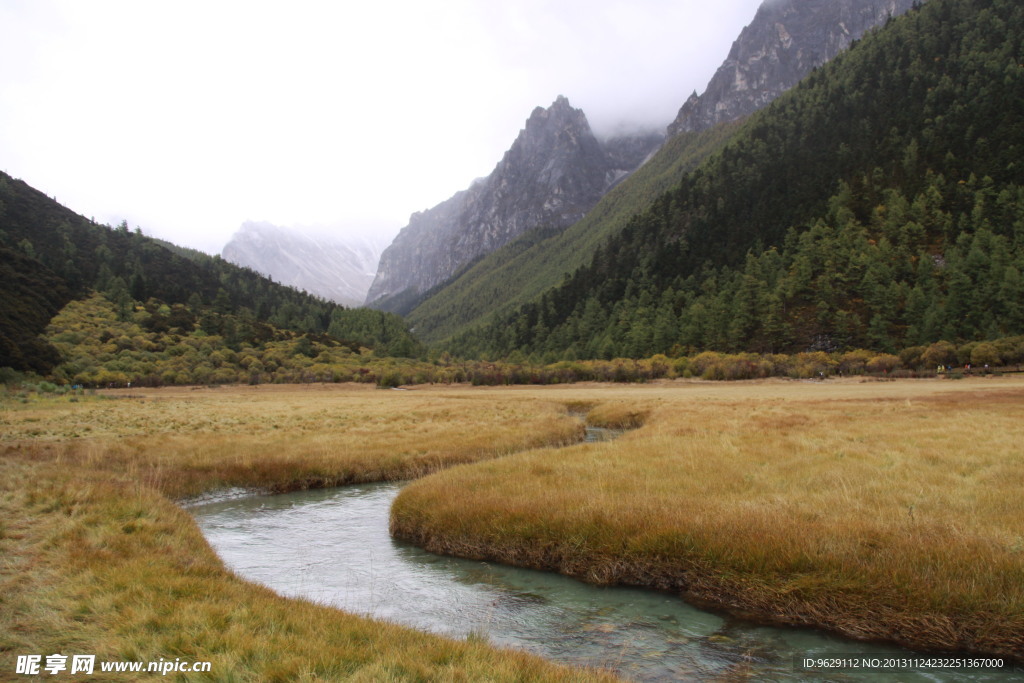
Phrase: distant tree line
(162, 345)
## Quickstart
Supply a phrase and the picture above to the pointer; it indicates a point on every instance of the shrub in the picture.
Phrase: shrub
(390, 378)
(702, 361)
(940, 353)
(681, 367)
(984, 354)
(812, 364)
(854, 362)
(911, 357)
(963, 354)
(883, 363)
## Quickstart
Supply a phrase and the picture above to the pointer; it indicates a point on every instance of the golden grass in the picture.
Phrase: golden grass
(882, 510)
(185, 441)
(96, 559)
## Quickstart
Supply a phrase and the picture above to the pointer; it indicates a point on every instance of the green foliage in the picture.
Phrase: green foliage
(101, 344)
(880, 204)
(99, 348)
(384, 332)
(32, 294)
(50, 256)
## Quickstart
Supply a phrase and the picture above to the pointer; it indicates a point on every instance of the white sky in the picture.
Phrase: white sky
(188, 118)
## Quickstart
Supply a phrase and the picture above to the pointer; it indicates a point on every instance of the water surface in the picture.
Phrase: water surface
(332, 546)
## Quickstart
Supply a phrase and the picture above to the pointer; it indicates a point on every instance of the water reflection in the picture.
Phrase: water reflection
(332, 546)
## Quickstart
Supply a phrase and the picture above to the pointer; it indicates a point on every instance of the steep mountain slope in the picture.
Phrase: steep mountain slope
(336, 268)
(538, 260)
(879, 204)
(50, 255)
(554, 172)
(785, 40)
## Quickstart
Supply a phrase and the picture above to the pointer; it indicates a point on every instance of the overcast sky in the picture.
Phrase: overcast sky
(188, 118)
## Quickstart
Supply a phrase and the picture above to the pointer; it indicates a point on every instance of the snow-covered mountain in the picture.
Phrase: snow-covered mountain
(337, 267)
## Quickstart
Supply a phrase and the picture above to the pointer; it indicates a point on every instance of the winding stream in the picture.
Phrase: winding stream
(332, 546)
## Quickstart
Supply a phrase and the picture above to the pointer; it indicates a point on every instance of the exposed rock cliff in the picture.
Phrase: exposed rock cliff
(555, 171)
(784, 42)
(337, 268)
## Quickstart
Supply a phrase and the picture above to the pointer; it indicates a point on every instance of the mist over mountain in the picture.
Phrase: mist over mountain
(557, 170)
(785, 40)
(877, 205)
(553, 173)
(335, 267)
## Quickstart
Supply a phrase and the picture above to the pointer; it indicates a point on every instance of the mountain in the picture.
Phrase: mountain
(539, 259)
(553, 173)
(784, 42)
(51, 256)
(336, 268)
(878, 205)
(522, 270)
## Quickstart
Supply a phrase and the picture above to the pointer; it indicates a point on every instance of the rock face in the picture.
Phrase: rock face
(336, 268)
(784, 42)
(555, 171)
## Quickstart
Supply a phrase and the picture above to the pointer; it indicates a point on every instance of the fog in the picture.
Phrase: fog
(188, 119)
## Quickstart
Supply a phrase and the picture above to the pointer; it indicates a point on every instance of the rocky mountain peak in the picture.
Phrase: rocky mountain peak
(560, 107)
(554, 172)
(784, 42)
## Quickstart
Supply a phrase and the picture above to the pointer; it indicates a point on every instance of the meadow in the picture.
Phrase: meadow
(886, 511)
(96, 557)
(883, 510)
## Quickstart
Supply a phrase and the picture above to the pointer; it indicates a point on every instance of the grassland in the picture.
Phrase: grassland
(883, 510)
(880, 510)
(96, 558)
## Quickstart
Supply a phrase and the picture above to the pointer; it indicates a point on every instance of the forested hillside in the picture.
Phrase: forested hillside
(879, 204)
(50, 256)
(783, 43)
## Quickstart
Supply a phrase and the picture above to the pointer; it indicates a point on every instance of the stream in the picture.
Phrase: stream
(332, 546)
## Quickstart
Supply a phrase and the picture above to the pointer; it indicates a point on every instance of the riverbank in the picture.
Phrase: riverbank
(881, 511)
(95, 557)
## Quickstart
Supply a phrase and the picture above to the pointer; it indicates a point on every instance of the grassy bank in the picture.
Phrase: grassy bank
(95, 558)
(881, 510)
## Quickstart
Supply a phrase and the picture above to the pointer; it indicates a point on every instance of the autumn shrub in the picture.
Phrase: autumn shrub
(882, 363)
(911, 357)
(702, 362)
(681, 367)
(984, 355)
(391, 377)
(854, 362)
(963, 353)
(940, 353)
(658, 366)
(811, 364)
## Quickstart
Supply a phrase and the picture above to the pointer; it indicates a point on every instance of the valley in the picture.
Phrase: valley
(801, 312)
(805, 476)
